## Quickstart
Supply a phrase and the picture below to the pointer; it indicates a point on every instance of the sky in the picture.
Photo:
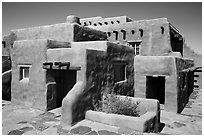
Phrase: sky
(185, 16)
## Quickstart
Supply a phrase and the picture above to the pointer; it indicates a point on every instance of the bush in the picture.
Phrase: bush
(113, 104)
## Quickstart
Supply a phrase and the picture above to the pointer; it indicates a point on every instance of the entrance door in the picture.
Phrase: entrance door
(155, 88)
(65, 80)
(59, 83)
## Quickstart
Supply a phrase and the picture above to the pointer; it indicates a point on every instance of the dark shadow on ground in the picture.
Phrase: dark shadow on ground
(161, 126)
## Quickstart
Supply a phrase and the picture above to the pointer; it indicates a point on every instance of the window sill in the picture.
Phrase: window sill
(119, 82)
(25, 80)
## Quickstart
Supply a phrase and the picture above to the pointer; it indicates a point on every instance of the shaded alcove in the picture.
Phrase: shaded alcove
(155, 88)
(59, 83)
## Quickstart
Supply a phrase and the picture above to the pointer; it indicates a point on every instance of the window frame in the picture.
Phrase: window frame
(118, 63)
(22, 73)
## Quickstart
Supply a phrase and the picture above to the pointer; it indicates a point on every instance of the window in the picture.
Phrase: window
(118, 21)
(133, 32)
(24, 71)
(119, 71)
(89, 22)
(4, 44)
(141, 32)
(100, 23)
(162, 30)
(137, 49)
(124, 34)
(85, 24)
(106, 23)
(136, 46)
(109, 34)
(112, 22)
(95, 24)
(116, 35)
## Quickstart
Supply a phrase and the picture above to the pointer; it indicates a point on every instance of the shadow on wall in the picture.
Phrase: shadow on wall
(6, 78)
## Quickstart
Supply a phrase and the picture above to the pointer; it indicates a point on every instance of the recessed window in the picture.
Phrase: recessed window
(106, 23)
(100, 23)
(133, 32)
(4, 44)
(141, 32)
(89, 22)
(118, 21)
(109, 34)
(24, 72)
(112, 22)
(85, 24)
(95, 24)
(119, 71)
(136, 46)
(162, 30)
(116, 35)
(124, 34)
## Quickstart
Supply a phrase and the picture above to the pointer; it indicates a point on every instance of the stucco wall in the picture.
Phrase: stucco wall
(159, 66)
(99, 21)
(153, 41)
(59, 32)
(32, 93)
(177, 88)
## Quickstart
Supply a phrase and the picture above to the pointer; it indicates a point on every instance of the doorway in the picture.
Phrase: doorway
(155, 88)
(59, 83)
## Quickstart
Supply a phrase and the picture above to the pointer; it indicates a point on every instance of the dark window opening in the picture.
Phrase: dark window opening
(24, 72)
(100, 23)
(89, 22)
(133, 32)
(162, 30)
(95, 24)
(118, 21)
(85, 24)
(136, 46)
(106, 23)
(141, 32)
(119, 72)
(177, 42)
(112, 22)
(109, 34)
(116, 35)
(155, 88)
(124, 34)
(4, 44)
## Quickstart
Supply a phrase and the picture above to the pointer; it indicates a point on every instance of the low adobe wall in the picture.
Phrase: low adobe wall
(149, 120)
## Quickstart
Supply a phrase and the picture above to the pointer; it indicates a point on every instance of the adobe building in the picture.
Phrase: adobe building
(135, 58)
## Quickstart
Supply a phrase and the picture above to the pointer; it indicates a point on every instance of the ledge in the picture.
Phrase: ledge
(144, 123)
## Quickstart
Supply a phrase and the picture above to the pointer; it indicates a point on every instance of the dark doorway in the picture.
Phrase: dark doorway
(155, 88)
(59, 83)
